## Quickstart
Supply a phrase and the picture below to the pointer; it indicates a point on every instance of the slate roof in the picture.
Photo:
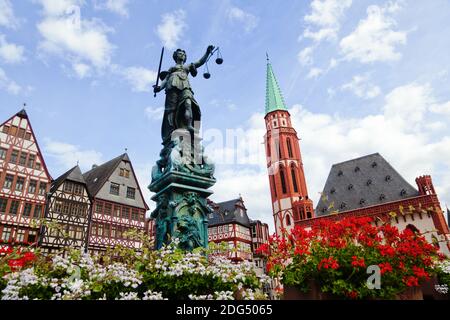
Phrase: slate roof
(362, 182)
(73, 174)
(97, 176)
(226, 212)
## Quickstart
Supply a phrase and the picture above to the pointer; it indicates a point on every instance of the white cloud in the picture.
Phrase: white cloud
(314, 73)
(67, 35)
(361, 87)
(9, 85)
(305, 56)
(7, 18)
(249, 21)
(140, 79)
(153, 113)
(10, 52)
(59, 7)
(81, 70)
(67, 155)
(119, 7)
(374, 38)
(325, 15)
(171, 28)
(443, 109)
(408, 104)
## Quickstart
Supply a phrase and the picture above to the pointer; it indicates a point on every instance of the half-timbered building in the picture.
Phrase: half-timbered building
(24, 182)
(230, 223)
(68, 213)
(118, 204)
(260, 236)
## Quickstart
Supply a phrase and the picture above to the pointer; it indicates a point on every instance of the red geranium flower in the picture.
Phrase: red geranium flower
(357, 262)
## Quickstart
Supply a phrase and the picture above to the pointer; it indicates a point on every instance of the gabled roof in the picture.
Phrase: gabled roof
(362, 182)
(97, 176)
(274, 98)
(226, 212)
(73, 174)
(23, 114)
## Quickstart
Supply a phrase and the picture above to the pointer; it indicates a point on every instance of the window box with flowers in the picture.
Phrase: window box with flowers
(331, 260)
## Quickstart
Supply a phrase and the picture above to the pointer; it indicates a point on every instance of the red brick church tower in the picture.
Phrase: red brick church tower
(290, 200)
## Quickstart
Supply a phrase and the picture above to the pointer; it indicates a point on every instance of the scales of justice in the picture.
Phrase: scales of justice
(183, 174)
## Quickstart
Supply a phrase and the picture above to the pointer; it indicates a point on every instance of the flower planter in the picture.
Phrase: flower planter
(293, 293)
(413, 293)
(430, 292)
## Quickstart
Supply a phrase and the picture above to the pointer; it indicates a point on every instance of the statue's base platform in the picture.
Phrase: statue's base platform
(182, 209)
(182, 180)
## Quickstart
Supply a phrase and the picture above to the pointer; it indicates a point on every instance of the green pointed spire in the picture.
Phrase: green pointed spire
(274, 98)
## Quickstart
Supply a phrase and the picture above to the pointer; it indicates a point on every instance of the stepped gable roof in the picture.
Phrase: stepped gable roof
(97, 176)
(73, 174)
(362, 182)
(226, 212)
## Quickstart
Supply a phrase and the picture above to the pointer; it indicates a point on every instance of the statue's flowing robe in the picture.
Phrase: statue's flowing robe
(178, 90)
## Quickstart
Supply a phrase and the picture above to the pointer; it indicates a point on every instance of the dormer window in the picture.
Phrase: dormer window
(388, 178)
(343, 205)
(357, 169)
(333, 190)
(403, 192)
(324, 209)
(374, 164)
(369, 182)
(362, 201)
(340, 173)
(350, 187)
(382, 197)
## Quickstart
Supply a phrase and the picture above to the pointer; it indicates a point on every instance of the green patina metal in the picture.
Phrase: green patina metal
(181, 195)
(274, 98)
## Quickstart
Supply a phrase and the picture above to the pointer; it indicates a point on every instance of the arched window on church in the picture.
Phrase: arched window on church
(288, 220)
(294, 178)
(283, 180)
(272, 180)
(289, 147)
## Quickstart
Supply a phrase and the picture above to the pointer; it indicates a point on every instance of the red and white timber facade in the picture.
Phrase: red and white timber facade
(24, 182)
(260, 236)
(229, 223)
(118, 205)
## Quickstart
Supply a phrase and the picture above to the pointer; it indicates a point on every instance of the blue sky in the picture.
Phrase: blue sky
(358, 77)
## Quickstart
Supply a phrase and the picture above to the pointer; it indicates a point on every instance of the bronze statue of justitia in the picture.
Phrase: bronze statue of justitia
(181, 108)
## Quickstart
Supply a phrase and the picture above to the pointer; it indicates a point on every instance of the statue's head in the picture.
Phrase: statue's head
(179, 54)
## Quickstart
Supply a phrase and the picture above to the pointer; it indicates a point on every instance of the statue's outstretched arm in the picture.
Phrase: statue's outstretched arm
(203, 59)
